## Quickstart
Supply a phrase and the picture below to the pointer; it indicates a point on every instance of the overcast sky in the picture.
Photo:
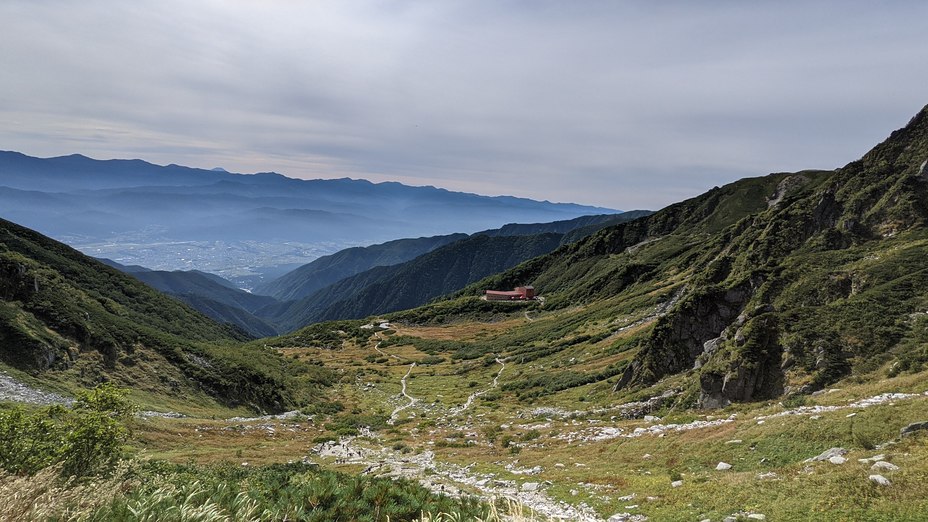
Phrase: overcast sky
(619, 104)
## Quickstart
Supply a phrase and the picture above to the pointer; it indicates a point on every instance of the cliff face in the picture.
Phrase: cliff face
(782, 293)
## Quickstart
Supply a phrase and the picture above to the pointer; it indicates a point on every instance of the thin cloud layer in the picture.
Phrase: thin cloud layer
(620, 104)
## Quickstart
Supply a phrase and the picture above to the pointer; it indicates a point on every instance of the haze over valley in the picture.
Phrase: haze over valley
(240, 226)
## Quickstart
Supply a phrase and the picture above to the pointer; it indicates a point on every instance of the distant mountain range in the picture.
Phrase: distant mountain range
(76, 196)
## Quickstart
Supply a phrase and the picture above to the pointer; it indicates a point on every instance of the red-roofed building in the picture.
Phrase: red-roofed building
(522, 293)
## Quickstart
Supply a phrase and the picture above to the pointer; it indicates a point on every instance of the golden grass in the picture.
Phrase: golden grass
(44, 496)
(461, 331)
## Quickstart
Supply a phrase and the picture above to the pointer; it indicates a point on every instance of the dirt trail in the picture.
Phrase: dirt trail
(412, 400)
(379, 337)
(494, 384)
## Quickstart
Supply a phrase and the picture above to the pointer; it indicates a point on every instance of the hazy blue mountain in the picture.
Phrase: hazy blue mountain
(306, 280)
(226, 313)
(587, 224)
(76, 196)
(326, 270)
(443, 270)
(413, 283)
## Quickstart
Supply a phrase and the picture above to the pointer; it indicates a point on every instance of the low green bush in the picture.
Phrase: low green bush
(85, 439)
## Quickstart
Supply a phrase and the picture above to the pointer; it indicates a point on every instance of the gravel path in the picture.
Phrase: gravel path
(494, 384)
(447, 478)
(412, 400)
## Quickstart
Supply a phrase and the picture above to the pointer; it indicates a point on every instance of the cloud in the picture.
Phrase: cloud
(622, 104)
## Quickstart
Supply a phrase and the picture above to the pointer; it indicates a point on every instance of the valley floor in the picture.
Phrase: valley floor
(446, 424)
(749, 460)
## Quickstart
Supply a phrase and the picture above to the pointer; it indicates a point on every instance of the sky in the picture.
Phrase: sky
(622, 104)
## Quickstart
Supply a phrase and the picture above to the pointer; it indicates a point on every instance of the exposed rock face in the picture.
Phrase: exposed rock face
(786, 186)
(755, 372)
(679, 338)
(913, 428)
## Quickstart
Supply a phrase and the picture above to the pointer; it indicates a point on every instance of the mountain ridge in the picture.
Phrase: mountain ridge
(764, 286)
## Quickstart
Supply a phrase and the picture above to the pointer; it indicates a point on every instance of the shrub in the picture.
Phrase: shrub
(85, 439)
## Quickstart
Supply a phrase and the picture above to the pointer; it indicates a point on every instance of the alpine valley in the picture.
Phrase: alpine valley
(758, 352)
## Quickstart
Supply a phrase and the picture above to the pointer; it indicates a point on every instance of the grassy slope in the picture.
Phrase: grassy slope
(73, 322)
(501, 429)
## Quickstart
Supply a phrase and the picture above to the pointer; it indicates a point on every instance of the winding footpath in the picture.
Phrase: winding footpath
(470, 400)
(377, 347)
(412, 400)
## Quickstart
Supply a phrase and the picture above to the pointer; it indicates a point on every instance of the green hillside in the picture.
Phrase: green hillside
(387, 289)
(311, 277)
(213, 296)
(73, 322)
(768, 285)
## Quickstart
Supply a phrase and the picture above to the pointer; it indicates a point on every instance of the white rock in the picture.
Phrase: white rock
(734, 441)
(531, 486)
(849, 415)
(676, 483)
(767, 476)
(884, 466)
(880, 480)
(723, 466)
(647, 456)
(837, 459)
(626, 498)
(558, 465)
(757, 516)
(574, 492)
(827, 454)
(651, 418)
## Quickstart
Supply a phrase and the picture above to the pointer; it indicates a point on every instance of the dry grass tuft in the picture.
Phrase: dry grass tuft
(45, 496)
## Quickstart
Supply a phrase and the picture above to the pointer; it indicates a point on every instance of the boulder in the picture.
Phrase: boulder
(884, 466)
(913, 428)
(827, 454)
(837, 459)
(880, 480)
(723, 466)
(531, 486)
